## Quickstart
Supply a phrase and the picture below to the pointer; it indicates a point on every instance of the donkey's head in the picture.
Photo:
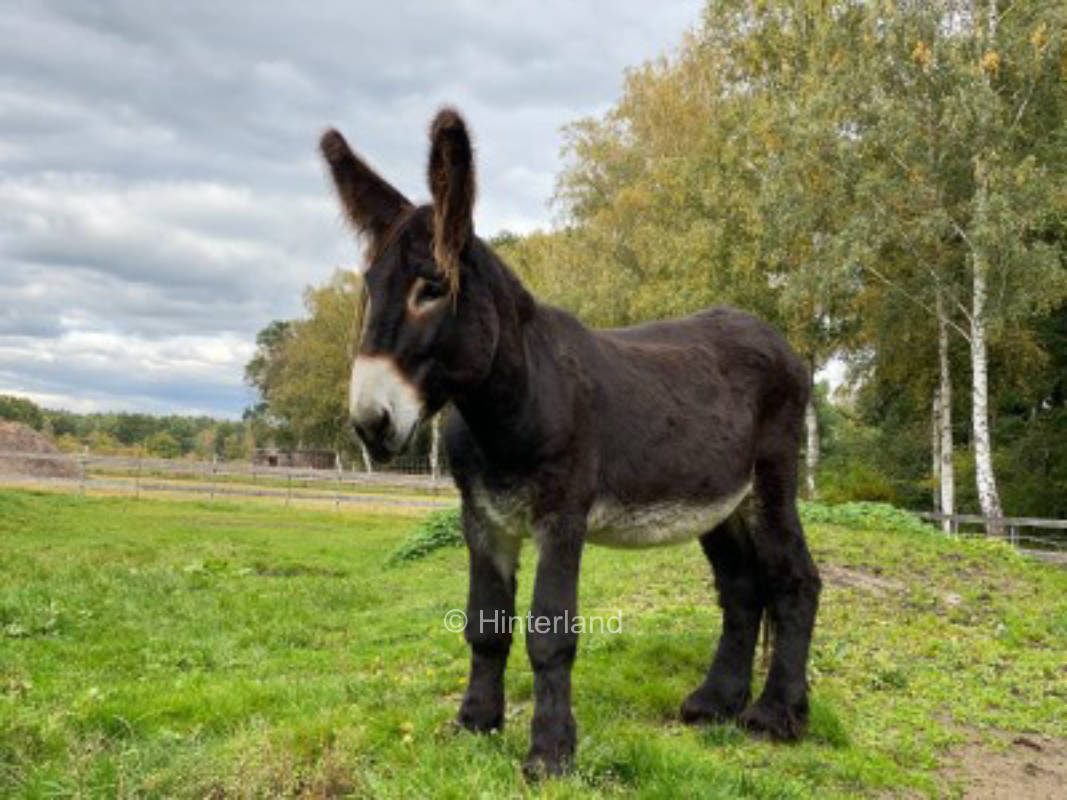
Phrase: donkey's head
(431, 325)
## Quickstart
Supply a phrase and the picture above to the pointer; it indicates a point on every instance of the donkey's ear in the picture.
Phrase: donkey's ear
(451, 176)
(371, 204)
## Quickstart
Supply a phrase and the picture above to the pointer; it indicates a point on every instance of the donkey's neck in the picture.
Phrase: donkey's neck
(513, 412)
(499, 410)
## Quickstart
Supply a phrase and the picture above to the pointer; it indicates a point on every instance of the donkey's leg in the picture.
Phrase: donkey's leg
(727, 687)
(490, 610)
(552, 642)
(792, 586)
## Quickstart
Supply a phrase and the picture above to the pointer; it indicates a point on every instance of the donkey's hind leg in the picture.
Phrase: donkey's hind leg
(726, 689)
(792, 585)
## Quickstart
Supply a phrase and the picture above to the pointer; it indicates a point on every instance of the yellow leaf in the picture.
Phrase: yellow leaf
(922, 55)
(991, 61)
(1039, 38)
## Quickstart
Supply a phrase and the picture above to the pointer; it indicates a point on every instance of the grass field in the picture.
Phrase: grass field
(167, 648)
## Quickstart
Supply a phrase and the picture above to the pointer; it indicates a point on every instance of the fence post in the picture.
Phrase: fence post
(137, 479)
(214, 468)
(337, 463)
(288, 487)
(85, 462)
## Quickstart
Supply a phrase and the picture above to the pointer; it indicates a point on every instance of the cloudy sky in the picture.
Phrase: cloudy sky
(160, 194)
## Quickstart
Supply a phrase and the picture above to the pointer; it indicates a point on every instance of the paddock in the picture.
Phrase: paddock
(226, 649)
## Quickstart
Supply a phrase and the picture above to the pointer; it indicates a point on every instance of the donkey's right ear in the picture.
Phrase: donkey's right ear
(370, 203)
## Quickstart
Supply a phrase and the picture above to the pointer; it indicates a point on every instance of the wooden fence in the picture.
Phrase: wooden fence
(1051, 547)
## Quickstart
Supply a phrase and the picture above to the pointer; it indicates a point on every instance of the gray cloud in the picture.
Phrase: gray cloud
(160, 196)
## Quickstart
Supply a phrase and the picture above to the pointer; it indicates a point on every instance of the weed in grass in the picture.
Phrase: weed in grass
(438, 529)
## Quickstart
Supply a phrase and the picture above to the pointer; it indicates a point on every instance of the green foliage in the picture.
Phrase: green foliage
(21, 409)
(301, 367)
(856, 481)
(436, 530)
(162, 445)
(864, 516)
(127, 433)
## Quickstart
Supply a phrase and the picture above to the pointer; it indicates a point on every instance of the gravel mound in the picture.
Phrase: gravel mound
(18, 438)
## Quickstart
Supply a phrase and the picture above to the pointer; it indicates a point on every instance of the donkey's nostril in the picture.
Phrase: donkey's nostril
(374, 431)
(382, 426)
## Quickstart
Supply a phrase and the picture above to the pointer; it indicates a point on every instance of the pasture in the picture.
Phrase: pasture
(163, 648)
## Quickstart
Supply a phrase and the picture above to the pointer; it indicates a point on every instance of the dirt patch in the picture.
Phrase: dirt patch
(873, 584)
(38, 457)
(1017, 767)
(858, 579)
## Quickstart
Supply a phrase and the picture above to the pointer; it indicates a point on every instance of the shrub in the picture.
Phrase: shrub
(439, 529)
(865, 516)
(856, 482)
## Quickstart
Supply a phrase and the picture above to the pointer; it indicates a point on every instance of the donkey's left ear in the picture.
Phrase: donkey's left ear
(451, 176)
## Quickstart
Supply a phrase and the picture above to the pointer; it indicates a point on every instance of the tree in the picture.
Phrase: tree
(21, 409)
(301, 368)
(959, 134)
(162, 445)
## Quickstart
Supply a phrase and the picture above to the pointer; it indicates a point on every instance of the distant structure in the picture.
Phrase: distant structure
(304, 459)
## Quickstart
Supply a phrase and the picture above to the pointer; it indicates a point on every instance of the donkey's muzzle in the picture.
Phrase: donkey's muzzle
(377, 433)
(383, 405)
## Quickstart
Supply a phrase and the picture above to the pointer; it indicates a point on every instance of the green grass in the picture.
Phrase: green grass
(166, 649)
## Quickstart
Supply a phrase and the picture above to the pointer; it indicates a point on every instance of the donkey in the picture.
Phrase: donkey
(632, 437)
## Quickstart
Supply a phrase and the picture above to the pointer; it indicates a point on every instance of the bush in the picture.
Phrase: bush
(865, 516)
(439, 529)
(162, 445)
(856, 482)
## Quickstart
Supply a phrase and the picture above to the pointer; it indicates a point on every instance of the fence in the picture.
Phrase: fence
(135, 475)
(1051, 547)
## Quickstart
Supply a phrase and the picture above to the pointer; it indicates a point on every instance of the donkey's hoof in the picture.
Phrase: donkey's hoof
(702, 707)
(479, 717)
(539, 765)
(775, 720)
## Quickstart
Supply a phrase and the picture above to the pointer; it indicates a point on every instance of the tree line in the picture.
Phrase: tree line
(129, 433)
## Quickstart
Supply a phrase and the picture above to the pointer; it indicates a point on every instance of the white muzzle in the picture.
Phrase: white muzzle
(384, 406)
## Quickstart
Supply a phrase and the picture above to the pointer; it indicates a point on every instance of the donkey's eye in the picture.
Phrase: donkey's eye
(428, 290)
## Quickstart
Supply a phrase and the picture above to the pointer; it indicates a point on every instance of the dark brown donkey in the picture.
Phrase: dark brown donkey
(633, 437)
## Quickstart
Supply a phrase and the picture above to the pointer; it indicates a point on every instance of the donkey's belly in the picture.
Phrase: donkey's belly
(615, 524)
(612, 523)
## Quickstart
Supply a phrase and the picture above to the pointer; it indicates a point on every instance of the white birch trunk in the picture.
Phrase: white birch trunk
(811, 456)
(988, 498)
(935, 451)
(946, 474)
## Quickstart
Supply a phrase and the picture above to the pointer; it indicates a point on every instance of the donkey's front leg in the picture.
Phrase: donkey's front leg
(551, 642)
(490, 611)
